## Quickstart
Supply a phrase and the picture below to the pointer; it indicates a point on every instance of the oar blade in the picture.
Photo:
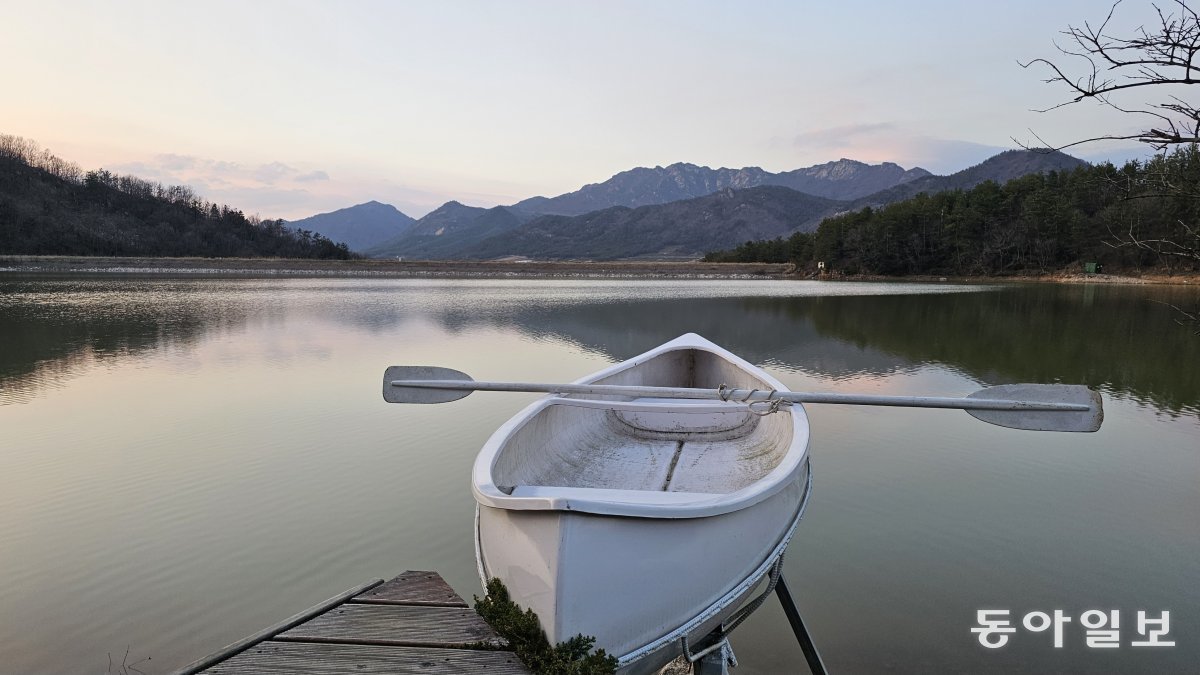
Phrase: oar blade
(1043, 420)
(393, 393)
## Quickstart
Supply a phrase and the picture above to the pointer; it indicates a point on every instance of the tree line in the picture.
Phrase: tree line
(49, 206)
(1142, 216)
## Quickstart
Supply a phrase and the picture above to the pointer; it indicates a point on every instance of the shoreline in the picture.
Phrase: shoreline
(1156, 278)
(414, 269)
(430, 269)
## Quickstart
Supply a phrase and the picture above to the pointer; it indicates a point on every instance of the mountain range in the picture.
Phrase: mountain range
(843, 179)
(681, 229)
(452, 227)
(999, 168)
(681, 210)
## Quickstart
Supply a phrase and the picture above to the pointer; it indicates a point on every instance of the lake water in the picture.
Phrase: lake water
(186, 461)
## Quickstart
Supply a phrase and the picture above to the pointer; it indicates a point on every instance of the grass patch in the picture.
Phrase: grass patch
(528, 640)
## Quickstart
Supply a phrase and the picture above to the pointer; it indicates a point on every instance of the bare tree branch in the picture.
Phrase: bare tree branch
(1186, 318)
(1166, 56)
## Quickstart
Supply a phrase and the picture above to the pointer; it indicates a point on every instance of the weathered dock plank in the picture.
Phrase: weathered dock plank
(402, 625)
(414, 623)
(277, 658)
(202, 664)
(414, 588)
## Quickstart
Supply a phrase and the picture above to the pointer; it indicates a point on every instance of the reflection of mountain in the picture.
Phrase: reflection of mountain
(761, 330)
(1111, 337)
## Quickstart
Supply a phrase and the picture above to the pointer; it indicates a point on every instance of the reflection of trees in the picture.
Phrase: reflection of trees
(1111, 337)
(46, 343)
(1115, 337)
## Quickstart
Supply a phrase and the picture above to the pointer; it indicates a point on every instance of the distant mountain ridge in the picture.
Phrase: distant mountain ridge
(721, 216)
(449, 228)
(843, 179)
(360, 227)
(849, 179)
(454, 228)
(676, 229)
(693, 227)
(1000, 168)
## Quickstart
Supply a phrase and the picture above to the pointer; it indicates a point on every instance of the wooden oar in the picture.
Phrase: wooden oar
(1038, 407)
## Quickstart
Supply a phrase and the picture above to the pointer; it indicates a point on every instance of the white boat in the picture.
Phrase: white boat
(642, 521)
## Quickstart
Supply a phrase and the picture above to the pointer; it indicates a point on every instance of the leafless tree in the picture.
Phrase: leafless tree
(29, 152)
(1164, 56)
(1143, 72)
(1118, 72)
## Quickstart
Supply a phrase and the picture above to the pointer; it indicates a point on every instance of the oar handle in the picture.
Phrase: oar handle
(596, 389)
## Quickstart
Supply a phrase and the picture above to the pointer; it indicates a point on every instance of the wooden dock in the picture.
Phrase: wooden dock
(414, 623)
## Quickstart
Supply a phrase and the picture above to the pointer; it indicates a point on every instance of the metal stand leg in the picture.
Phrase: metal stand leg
(716, 662)
(806, 644)
(712, 664)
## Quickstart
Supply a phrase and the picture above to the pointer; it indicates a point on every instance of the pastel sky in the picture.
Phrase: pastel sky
(286, 109)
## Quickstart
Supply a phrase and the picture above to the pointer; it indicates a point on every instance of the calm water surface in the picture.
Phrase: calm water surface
(183, 462)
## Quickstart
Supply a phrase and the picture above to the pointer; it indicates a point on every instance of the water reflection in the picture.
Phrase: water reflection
(52, 332)
(1121, 339)
(221, 457)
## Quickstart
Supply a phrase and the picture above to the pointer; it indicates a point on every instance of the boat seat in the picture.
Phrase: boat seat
(693, 406)
(655, 497)
(672, 415)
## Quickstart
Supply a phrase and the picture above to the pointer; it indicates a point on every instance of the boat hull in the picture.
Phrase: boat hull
(637, 585)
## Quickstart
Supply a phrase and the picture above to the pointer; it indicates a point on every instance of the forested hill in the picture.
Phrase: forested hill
(48, 206)
(1140, 216)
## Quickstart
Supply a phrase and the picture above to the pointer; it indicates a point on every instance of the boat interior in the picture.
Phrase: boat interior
(673, 447)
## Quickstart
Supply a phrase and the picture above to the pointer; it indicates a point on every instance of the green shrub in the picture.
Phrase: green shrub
(528, 640)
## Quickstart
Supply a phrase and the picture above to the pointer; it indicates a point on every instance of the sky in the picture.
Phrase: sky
(287, 109)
